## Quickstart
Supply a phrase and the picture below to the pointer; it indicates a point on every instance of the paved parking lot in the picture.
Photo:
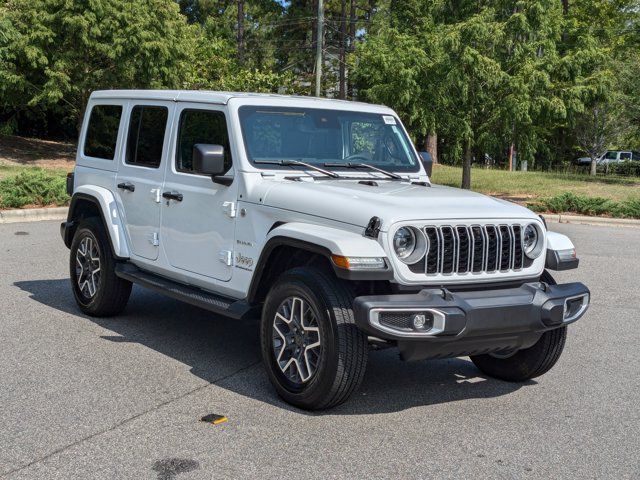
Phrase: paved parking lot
(122, 397)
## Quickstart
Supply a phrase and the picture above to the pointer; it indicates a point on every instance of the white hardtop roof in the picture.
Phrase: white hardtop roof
(209, 96)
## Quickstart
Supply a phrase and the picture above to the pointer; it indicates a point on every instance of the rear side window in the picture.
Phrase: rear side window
(201, 126)
(146, 135)
(102, 132)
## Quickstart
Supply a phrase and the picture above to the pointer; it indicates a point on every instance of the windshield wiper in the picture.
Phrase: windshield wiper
(290, 163)
(365, 165)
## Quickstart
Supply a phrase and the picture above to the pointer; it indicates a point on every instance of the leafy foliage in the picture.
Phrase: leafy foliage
(56, 51)
(584, 205)
(485, 78)
(33, 186)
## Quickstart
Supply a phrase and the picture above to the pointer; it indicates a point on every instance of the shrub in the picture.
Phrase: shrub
(33, 186)
(627, 169)
(581, 204)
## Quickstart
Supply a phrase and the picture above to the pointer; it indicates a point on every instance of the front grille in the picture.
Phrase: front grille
(472, 249)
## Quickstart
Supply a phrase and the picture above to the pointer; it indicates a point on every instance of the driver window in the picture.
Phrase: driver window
(200, 126)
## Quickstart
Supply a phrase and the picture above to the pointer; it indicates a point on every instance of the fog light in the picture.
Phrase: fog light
(423, 321)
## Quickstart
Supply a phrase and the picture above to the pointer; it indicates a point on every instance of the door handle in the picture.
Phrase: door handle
(173, 196)
(127, 186)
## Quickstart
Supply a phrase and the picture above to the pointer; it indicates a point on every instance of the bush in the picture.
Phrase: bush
(583, 205)
(33, 186)
(627, 169)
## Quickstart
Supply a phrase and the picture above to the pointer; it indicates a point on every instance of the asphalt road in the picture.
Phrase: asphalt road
(122, 397)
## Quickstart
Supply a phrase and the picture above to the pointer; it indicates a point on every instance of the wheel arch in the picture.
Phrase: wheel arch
(95, 201)
(297, 244)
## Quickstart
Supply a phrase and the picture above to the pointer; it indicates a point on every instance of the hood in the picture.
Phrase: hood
(351, 202)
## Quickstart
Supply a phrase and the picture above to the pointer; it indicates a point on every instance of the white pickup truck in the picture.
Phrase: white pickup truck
(319, 217)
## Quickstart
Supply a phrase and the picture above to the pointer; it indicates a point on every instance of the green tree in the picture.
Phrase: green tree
(56, 52)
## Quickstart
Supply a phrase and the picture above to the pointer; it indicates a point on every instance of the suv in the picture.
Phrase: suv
(611, 156)
(318, 216)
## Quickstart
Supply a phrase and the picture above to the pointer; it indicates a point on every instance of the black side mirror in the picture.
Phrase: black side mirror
(208, 159)
(427, 162)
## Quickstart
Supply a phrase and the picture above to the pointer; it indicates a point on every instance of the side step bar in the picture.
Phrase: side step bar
(192, 295)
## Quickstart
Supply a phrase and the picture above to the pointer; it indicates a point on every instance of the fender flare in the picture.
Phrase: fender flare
(110, 216)
(324, 241)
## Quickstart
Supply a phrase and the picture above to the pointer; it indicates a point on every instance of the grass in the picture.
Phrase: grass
(22, 186)
(525, 186)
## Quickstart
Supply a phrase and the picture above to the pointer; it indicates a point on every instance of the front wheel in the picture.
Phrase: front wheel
(313, 352)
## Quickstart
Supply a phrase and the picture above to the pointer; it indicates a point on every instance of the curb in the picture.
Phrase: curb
(33, 214)
(597, 221)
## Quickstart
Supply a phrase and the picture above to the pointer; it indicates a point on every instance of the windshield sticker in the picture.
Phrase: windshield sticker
(389, 120)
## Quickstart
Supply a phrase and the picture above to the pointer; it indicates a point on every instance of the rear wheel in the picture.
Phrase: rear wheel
(521, 365)
(313, 352)
(97, 289)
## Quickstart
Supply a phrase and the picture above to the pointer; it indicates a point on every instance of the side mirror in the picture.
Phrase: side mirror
(208, 159)
(427, 162)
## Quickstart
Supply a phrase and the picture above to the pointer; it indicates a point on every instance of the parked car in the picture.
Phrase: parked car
(319, 217)
(611, 156)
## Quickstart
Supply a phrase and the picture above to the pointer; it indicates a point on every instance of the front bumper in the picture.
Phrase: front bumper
(470, 322)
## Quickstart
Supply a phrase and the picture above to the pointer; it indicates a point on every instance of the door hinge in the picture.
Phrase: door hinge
(154, 239)
(230, 209)
(226, 257)
(156, 194)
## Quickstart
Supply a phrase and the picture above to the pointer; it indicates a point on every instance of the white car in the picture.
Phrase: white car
(318, 216)
(610, 157)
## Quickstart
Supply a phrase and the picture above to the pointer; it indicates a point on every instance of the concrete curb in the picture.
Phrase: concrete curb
(598, 221)
(33, 214)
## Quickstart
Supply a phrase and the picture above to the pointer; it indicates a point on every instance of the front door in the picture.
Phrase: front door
(140, 176)
(198, 215)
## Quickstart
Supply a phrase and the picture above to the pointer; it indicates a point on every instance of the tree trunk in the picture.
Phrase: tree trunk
(342, 56)
(351, 32)
(240, 32)
(512, 152)
(431, 146)
(593, 166)
(466, 166)
(565, 12)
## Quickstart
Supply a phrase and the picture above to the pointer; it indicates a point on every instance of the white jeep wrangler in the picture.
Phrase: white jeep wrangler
(318, 215)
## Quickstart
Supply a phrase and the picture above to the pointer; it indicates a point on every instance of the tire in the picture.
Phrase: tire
(530, 362)
(335, 368)
(99, 294)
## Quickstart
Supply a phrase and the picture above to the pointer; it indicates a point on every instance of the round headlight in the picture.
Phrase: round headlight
(410, 245)
(404, 242)
(532, 241)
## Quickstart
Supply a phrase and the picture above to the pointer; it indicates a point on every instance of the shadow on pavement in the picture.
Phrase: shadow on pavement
(212, 345)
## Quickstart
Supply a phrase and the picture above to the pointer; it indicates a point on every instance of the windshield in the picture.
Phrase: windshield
(318, 136)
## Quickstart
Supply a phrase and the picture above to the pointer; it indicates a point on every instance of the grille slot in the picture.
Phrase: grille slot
(462, 249)
(402, 320)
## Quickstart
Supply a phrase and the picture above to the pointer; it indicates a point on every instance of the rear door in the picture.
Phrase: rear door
(141, 173)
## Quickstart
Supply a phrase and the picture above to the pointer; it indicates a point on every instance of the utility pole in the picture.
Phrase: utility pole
(319, 46)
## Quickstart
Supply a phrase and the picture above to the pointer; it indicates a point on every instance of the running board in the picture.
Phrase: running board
(192, 295)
